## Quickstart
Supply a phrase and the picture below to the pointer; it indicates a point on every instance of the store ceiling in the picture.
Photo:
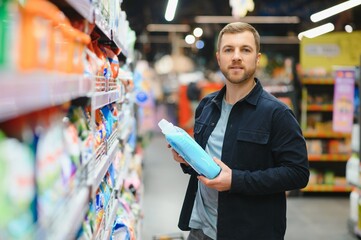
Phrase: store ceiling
(141, 13)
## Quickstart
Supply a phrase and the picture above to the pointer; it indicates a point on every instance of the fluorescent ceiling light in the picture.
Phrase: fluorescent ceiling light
(334, 10)
(317, 31)
(168, 28)
(248, 19)
(170, 11)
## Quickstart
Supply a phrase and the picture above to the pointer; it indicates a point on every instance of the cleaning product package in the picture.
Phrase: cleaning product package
(189, 149)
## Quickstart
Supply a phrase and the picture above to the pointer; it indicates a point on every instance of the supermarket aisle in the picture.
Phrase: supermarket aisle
(319, 218)
(164, 189)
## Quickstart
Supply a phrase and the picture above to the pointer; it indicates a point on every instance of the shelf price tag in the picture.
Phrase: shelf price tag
(343, 100)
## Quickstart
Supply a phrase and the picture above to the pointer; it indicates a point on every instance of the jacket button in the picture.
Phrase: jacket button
(212, 124)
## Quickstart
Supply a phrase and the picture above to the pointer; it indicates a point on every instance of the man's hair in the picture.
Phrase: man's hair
(239, 27)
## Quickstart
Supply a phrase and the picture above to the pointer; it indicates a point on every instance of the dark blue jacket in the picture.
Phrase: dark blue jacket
(264, 147)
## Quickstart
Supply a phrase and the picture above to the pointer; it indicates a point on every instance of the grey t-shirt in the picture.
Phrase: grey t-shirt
(204, 213)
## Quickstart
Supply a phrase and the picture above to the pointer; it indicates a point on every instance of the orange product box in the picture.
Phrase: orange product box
(38, 18)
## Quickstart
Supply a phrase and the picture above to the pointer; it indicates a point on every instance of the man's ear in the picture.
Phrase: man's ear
(258, 57)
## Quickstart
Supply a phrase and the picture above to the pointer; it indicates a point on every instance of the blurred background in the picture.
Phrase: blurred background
(83, 84)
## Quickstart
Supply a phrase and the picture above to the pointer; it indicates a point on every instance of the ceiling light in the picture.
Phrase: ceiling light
(197, 32)
(317, 31)
(248, 19)
(168, 28)
(240, 8)
(190, 39)
(170, 11)
(334, 10)
(199, 44)
(348, 28)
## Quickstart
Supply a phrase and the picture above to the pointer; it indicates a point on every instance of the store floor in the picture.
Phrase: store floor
(309, 217)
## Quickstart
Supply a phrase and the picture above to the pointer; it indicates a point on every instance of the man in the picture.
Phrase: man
(256, 141)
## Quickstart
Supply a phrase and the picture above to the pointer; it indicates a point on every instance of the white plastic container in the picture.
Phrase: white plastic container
(189, 149)
(353, 170)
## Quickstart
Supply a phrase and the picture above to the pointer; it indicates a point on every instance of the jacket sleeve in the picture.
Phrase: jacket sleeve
(290, 170)
(187, 169)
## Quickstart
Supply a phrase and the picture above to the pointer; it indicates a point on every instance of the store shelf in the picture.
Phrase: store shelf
(126, 130)
(102, 23)
(330, 134)
(102, 167)
(123, 174)
(318, 81)
(119, 43)
(22, 93)
(29, 94)
(111, 213)
(84, 8)
(320, 108)
(316, 121)
(100, 99)
(70, 216)
(279, 88)
(326, 188)
(125, 75)
(113, 139)
(329, 157)
(105, 227)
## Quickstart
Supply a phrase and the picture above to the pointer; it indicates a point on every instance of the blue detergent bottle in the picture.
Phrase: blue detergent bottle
(189, 149)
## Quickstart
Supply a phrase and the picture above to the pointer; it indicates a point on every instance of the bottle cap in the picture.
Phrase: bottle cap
(166, 126)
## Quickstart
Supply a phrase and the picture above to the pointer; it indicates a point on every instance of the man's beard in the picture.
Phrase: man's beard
(247, 75)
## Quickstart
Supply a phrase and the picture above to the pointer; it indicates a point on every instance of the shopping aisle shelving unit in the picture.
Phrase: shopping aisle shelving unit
(328, 151)
(27, 92)
(353, 169)
(38, 101)
(24, 93)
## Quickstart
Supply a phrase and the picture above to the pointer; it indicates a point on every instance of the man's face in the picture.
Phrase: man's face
(237, 56)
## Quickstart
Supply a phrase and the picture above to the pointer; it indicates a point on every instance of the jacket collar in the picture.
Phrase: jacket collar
(251, 98)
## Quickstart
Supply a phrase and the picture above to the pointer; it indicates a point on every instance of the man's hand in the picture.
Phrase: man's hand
(177, 157)
(223, 181)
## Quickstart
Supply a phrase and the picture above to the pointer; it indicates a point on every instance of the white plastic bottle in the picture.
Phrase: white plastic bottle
(353, 169)
(189, 149)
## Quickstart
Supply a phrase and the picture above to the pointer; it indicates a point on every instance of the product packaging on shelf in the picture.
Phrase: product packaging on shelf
(353, 170)
(9, 35)
(110, 120)
(3, 33)
(81, 40)
(51, 42)
(127, 217)
(354, 211)
(17, 189)
(38, 21)
(77, 116)
(113, 60)
(53, 168)
(190, 150)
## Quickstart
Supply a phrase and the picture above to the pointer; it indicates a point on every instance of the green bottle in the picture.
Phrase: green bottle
(3, 27)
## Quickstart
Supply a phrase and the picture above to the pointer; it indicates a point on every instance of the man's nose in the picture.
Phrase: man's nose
(237, 56)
